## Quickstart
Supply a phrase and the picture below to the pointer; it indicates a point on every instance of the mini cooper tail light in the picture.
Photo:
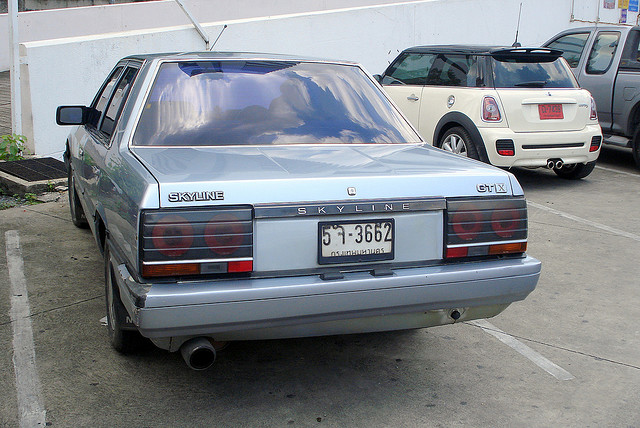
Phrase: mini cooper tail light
(490, 110)
(485, 227)
(505, 148)
(594, 111)
(595, 143)
(196, 241)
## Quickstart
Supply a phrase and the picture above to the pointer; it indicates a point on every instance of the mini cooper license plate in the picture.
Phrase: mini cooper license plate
(355, 241)
(550, 111)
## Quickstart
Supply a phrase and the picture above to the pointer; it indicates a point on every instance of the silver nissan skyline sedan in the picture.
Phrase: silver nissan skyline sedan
(241, 196)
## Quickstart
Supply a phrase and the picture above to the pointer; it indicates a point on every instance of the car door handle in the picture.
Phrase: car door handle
(412, 97)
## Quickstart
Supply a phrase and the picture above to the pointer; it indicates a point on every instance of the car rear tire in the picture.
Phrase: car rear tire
(123, 337)
(457, 140)
(635, 147)
(575, 171)
(77, 213)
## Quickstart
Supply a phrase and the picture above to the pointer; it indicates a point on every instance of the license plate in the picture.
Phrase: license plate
(355, 241)
(550, 111)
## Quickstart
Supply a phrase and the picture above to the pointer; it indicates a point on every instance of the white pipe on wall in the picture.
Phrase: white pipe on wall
(14, 53)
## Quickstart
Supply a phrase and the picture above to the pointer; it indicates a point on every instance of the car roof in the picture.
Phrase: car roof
(220, 55)
(462, 49)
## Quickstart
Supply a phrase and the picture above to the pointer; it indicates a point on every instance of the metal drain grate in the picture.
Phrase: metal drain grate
(35, 169)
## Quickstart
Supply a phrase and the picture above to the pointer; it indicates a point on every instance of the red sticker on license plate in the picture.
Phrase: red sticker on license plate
(550, 111)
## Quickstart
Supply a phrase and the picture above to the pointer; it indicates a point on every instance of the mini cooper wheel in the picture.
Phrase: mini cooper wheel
(457, 140)
(77, 213)
(575, 171)
(122, 335)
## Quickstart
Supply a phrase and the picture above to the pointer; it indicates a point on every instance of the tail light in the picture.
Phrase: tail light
(486, 227)
(594, 112)
(490, 110)
(505, 148)
(196, 241)
(595, 143)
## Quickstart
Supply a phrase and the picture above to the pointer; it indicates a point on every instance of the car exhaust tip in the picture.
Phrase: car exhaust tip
(550, 164)
(198, 353)
(455, 314)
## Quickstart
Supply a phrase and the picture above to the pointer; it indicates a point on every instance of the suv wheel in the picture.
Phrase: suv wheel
(575, 171)
(457, 140)
(635, 146)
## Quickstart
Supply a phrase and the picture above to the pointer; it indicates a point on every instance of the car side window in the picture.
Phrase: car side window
(117, 101)
(455, 70)
(571, 46)
(602, 52)
(410, 69)
(102, 98)
(631, 53)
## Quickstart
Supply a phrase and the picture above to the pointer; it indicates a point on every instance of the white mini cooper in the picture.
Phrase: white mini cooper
(511, 107)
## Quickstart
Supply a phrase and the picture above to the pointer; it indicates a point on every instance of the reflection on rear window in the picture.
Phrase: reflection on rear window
(214, 103)
(515, 74)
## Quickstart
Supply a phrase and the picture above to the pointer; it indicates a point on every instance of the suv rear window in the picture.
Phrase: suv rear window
(222, 103)
(524, 73)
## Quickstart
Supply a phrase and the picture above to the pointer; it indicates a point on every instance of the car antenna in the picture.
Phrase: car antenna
(225, 27)
(517, 44)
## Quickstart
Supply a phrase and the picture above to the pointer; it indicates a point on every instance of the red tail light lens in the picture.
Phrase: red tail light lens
(594, 111)
(208, 241)
(490, 110)
(486, 227)
(173, 236)
(467, 224)
(224, 234)
(595, 143)
(505, 223)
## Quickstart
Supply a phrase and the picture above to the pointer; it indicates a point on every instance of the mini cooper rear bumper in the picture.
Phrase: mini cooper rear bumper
(534, 149)
(300, 306)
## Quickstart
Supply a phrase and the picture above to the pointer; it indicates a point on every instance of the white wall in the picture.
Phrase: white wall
(69, 71)
(83, 21)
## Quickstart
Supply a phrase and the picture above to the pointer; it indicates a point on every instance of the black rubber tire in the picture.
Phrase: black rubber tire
(575, 171)
(77, 213)
(464, 144)
(635, 147)
(122, 335)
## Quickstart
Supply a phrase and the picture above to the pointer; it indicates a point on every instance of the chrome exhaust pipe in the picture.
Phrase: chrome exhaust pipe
(559, 164)
(198, 353)
(550, 164)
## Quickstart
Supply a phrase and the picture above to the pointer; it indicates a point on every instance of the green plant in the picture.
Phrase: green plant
(12, 146)
(31, 198)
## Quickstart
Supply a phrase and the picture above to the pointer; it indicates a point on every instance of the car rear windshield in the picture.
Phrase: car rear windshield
(221, 103)
(523, 73)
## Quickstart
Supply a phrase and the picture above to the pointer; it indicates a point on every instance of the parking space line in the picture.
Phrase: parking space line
(542, 362)
(617, 171)
(585, 221)
(31, 411)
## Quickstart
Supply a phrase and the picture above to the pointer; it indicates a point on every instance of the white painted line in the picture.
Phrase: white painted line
(618, 171)
(551, 368)
(31, 411)
(585, 221)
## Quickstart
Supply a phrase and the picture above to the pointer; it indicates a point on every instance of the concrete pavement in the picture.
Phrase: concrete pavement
(583, 318)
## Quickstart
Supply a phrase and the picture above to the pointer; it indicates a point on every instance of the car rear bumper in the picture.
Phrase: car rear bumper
(299, 306)
(534, 149)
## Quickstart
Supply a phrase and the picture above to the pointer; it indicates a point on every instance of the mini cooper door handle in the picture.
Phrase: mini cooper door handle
(412, 97)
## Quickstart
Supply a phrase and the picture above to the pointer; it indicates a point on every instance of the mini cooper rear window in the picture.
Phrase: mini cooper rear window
(523, 73)
(221, 103)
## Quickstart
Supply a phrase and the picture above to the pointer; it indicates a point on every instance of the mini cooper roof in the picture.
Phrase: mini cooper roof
(535, 54)
(484, 50)
(218, 55)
